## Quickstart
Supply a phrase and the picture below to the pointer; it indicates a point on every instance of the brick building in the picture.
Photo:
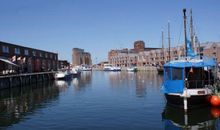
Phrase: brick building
(157, 56)
(79, 57)
(211, 49)
(126, 57)
(63, 64)
(27, 59)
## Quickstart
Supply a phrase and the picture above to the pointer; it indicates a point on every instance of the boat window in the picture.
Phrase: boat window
(167, 74)
(177, 74)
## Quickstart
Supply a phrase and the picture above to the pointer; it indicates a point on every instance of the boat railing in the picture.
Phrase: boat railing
(199, 83)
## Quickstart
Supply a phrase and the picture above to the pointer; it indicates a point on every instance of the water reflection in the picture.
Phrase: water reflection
(85, 79)
(17, 103)
(141, 80)
(62, 85)
(202, 119)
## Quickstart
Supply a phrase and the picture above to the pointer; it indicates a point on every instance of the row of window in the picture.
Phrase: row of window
(5, 49)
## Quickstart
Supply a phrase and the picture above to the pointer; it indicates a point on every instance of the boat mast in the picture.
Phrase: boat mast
(185, 85)
(169, 39)
(191, 31)
(163, 46)
(184, 17)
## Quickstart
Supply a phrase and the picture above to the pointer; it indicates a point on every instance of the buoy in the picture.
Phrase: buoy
(215, 101)
(215, 112)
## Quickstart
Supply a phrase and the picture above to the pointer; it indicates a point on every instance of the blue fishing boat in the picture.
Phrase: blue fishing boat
(189, 81)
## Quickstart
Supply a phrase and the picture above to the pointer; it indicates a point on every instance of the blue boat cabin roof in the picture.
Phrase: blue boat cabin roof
(191, 62)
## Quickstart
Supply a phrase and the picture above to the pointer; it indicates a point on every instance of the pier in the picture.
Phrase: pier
(10, 81)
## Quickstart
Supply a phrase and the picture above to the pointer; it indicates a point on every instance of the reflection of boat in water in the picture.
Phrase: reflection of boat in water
(61, 83)
(195, 119)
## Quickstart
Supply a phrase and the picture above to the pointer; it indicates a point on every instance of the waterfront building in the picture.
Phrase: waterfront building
(80, 57)
(141, 56)
(211, 49)
(28, 59)
(63, 64)
(126, 57)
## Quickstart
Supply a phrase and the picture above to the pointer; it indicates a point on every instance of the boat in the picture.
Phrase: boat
(160, 69)
(132, 69)
(160, 66)
(62, 74)
(75, 71)
(189, 81)
(86, 68)
(109, 67)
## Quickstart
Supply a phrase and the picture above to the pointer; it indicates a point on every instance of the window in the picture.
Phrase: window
(46, 55)
(40, 54)
(5, 49)
(167, 74)
(51, 56)
(34, 53)
(177, 74)
(26, 52)
(17, 50)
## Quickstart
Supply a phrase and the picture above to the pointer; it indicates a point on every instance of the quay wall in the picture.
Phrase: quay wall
(10, 81)
(140, 68)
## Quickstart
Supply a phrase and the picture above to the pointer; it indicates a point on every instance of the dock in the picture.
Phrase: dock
(10, 81)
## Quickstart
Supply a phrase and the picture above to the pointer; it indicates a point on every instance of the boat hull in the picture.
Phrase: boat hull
(160, 71)
(192, 101)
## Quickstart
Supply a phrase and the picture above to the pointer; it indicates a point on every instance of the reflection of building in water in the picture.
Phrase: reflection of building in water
(83, 80)
(195, 119)
(120, 79)
(16, 103)
(139, 80)
(144, 80)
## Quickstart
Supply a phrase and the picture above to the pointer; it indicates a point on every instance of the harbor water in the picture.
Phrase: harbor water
(99, 100)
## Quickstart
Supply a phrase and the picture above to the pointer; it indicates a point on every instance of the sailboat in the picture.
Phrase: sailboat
(160, 68)
(189, 81)
(131, 68)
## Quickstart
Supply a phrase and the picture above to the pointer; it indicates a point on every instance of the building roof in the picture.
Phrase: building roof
(191, 62)
(26, 47)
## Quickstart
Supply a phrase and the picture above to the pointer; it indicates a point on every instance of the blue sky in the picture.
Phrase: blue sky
(98, 26)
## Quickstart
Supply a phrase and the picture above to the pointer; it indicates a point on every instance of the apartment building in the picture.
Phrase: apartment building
(159, 56)
(27, 59)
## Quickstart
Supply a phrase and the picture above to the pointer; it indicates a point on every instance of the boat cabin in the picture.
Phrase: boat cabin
(188, 73)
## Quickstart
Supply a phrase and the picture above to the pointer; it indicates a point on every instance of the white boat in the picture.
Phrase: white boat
(62, 74)
(86, 68)
(132, 69)
(75, 71)
(109, 67)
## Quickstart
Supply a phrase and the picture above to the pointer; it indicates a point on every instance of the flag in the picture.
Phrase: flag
(19, 58)
(13, 59)
(191, 70)
(190, 51)
(24, 59)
